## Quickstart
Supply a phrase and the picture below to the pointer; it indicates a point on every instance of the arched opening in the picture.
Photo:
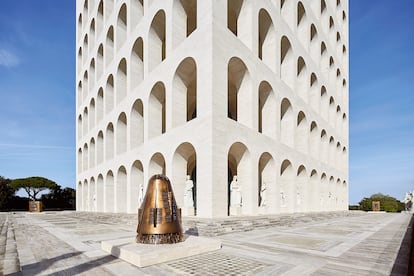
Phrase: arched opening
(92, 114)
(99, 62)
(92, 195)
(100, 194)
(109, 142)
(314, 187)
(239, 180)
(121, 81)
(99, 105)
(85, 121)
(314, 49)
(324, 146)
(79, 26)
(324, 104)
(109, 193)
(302, 84)
(323, 61)
(109, 94)
(85, 49)
(184, 94)
(109, 46)
(314, 140)
(233, 11)
(92, 153)
(79, 93)
(157, 110)
(121, 29)
(85, 156)
(185, 178)
(99, 18)
(100, 148)
(92, 35)
(85, 196)
(302, 196)
(157, 164)
(80, 160)
(137, 124)
(302, 29)
(331, 150)
(302, 133)
(137, 188)
(185, 20)
(239, 92)
(338, 155)
(137, 63)
(287, 187)
(92, 74)
(266, 186)
(121, 190)
(267, 40)
(121, 134)
(331, 194)
(156, 40)
(332, 111)
(287, 62)
(79, 60)
(85, 86)
(287, 121)
(314, 92)
(80, 124)
(338, 122)
(267, 110)
(136, 12)
(324, 194)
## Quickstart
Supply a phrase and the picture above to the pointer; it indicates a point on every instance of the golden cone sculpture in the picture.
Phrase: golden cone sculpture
(159, 218)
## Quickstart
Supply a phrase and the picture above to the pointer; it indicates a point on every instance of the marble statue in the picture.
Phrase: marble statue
(235, 193)
(188, 193)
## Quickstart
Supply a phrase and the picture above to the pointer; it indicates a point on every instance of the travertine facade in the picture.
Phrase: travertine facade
(213, 89)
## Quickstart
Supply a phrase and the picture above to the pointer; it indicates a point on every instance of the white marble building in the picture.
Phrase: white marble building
(213, 89)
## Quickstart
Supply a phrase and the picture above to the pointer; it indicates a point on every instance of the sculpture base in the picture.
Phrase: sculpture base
(187, 211)
(159, 238)
(143, 255)
(235, 211)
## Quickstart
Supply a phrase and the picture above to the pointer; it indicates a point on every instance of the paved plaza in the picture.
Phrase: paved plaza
(347, 243)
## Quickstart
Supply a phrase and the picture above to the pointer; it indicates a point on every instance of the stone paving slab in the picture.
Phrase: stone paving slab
(68, 243)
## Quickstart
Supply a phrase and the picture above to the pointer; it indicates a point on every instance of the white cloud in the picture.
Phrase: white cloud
(8, 59)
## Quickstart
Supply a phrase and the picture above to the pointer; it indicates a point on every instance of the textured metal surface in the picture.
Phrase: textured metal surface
(159, 218)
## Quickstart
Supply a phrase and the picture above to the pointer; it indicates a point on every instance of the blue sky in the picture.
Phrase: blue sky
(37, 93)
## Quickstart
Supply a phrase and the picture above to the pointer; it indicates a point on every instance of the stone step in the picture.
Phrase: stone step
(11, 262)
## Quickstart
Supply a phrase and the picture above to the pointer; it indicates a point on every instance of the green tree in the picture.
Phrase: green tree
(387, 203)
(59, 198)
(33, 185)
(6, 193)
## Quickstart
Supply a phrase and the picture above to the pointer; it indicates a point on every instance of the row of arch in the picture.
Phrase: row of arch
(307, 33)
(185, 22)
(289, 189)
(184, 103)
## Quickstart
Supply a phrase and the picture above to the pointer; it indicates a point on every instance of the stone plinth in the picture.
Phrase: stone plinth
(143, 255)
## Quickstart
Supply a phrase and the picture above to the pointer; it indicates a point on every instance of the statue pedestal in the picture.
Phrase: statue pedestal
(187, 211)
(235, 210)
(262, 210)
(143, 255)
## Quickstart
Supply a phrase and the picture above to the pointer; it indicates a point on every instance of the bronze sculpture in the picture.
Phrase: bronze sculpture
(159, 218)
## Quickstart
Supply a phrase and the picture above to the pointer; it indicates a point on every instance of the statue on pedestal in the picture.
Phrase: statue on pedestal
(235, 193)
(282, 199)
(140, 194)
(408, 201)
(188, 193)
(263, 194)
